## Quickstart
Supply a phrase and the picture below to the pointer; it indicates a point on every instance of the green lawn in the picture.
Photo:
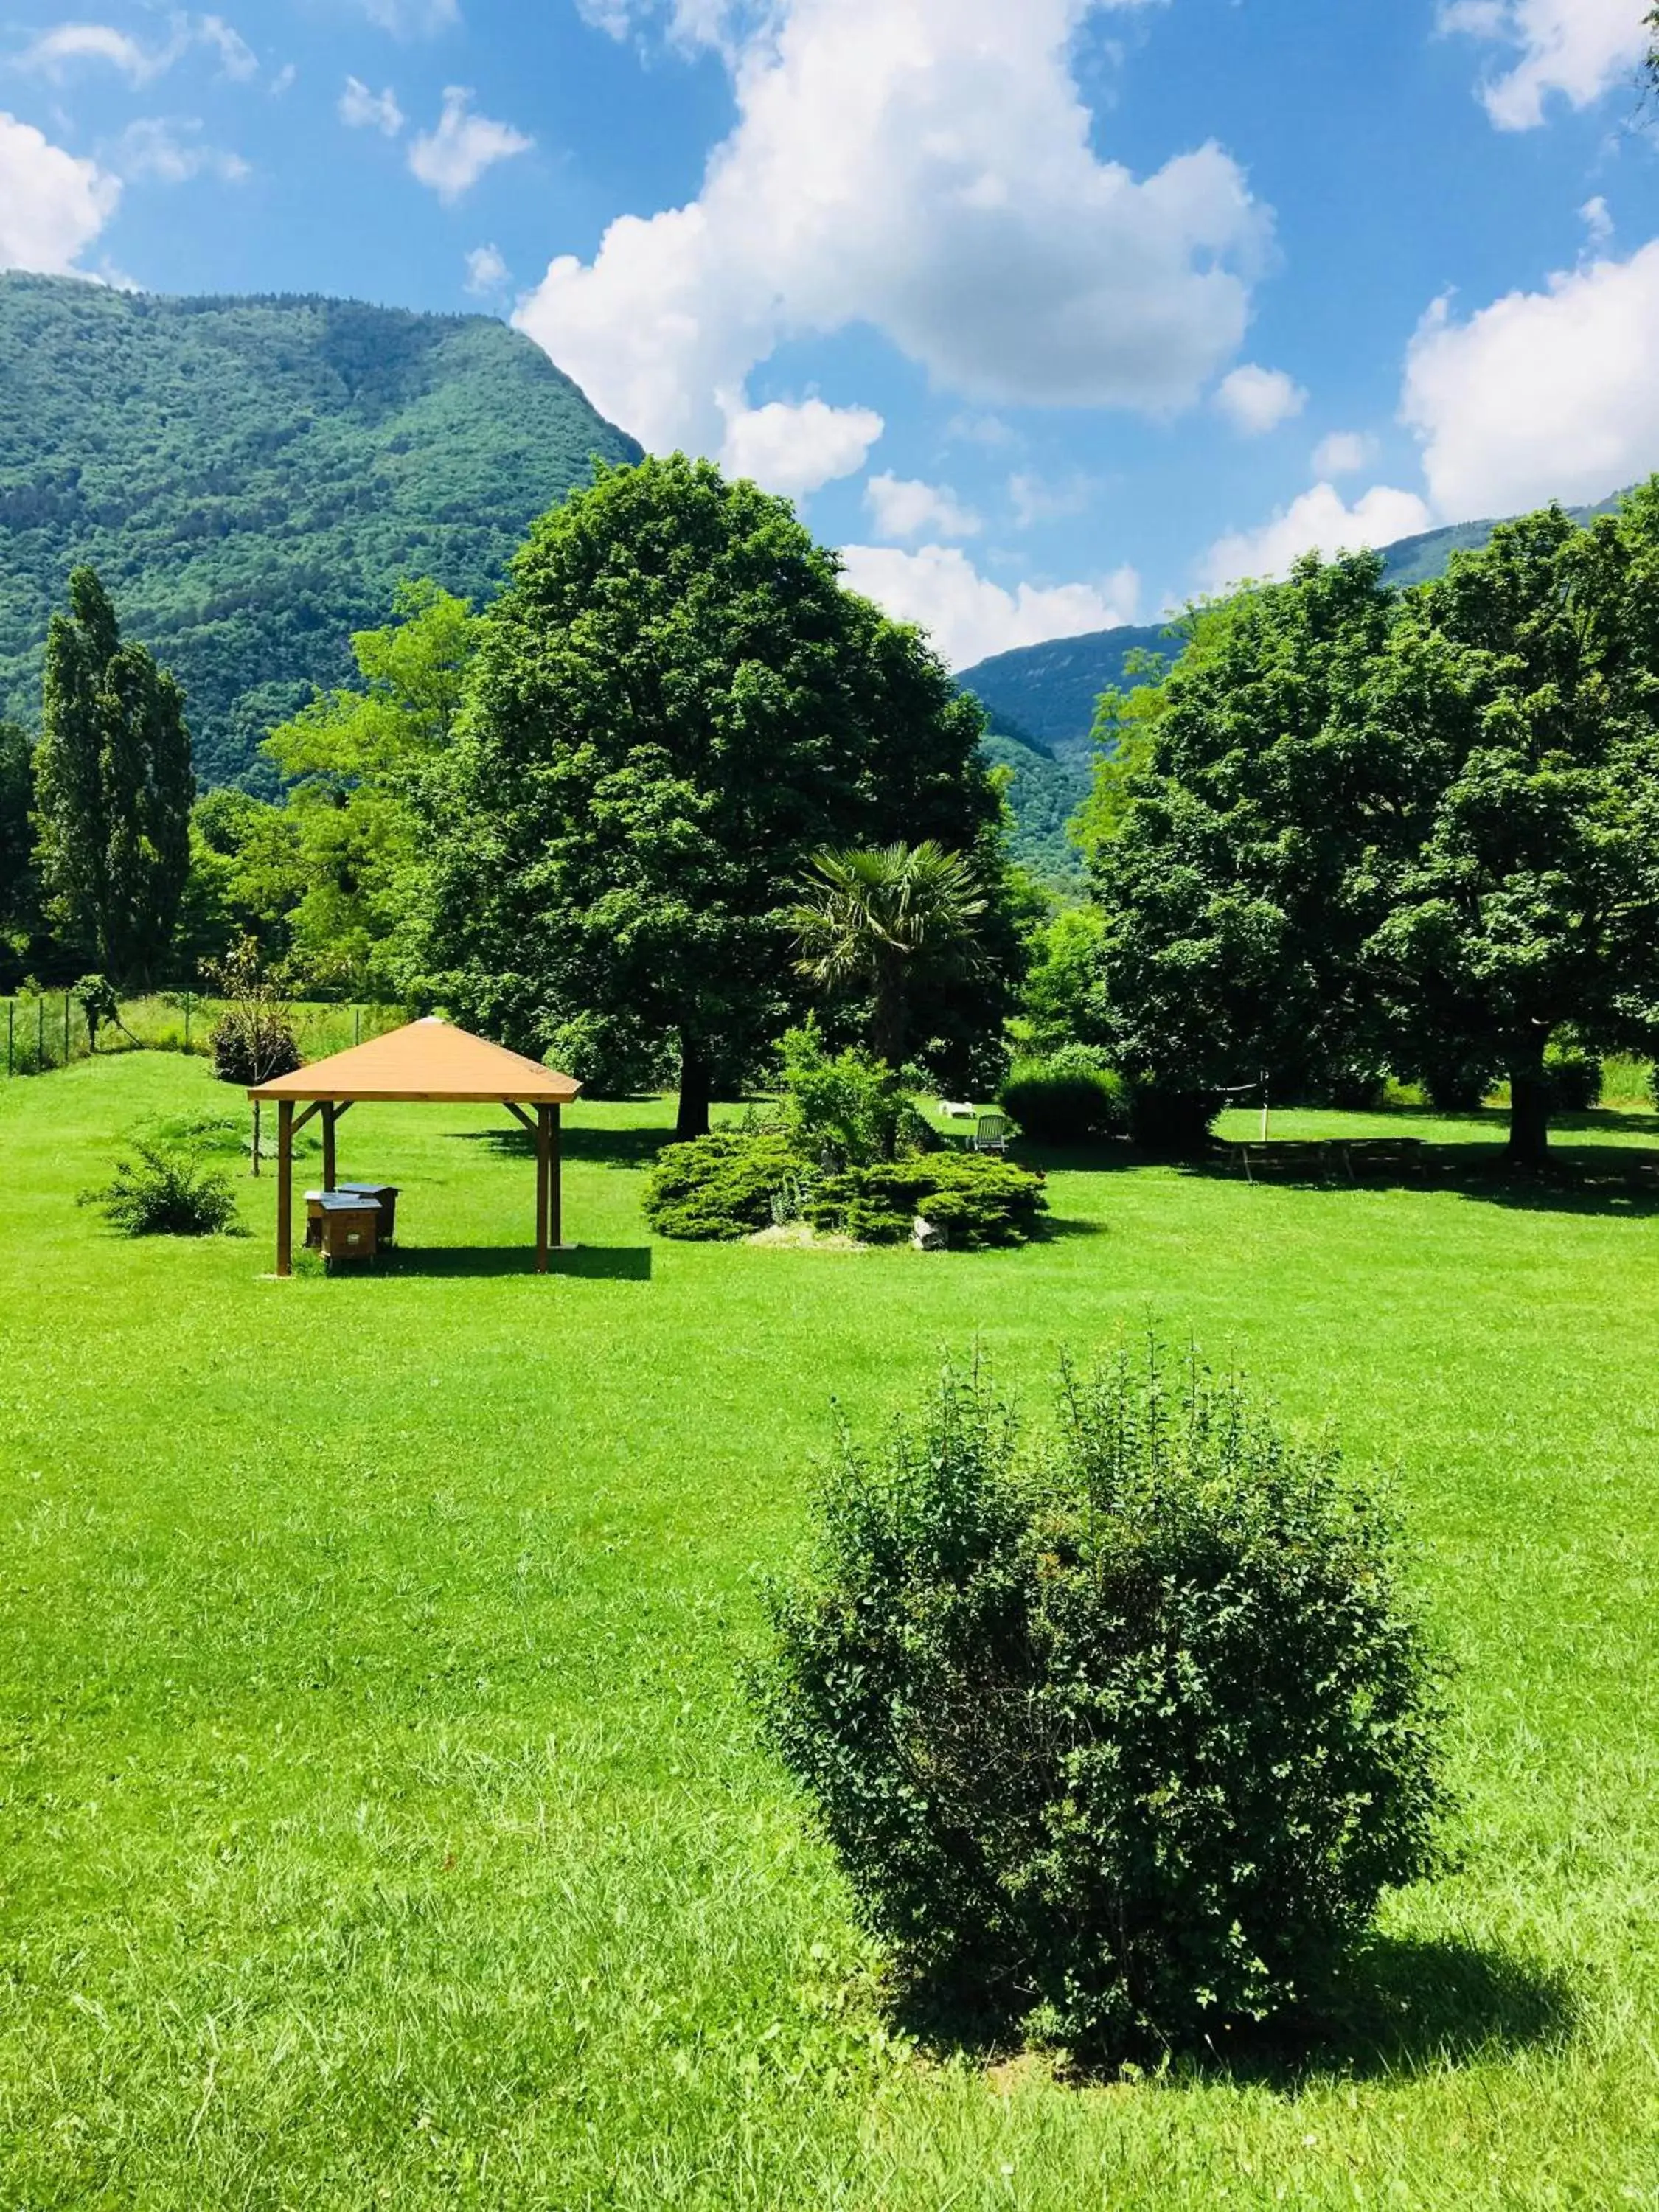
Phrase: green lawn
(382, 1823)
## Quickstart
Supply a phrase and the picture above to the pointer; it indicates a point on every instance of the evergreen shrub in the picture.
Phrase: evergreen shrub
(720, 1188)
(1121, 1732)
(978, 1201)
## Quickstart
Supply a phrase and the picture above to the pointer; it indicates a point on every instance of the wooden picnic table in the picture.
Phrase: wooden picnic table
(1347, 1154)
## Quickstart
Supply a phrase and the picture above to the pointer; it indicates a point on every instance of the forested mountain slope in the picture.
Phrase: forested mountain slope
(252, 477)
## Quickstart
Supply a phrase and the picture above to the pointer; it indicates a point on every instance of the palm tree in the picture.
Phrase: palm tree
(882, 918)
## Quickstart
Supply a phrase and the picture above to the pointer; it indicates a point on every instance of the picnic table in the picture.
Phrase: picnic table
(1351, 1156)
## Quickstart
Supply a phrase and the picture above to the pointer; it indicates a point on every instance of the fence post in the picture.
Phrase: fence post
(256, 1136)
(356, 1024)
(41, 1032)
(11, 1032)
(187, 1005)
(66, 1029)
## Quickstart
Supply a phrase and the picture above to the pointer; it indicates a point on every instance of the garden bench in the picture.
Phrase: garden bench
(991, 1136)
(957, 1109)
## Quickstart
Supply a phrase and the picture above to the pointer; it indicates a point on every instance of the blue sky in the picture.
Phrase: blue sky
(1050, 313)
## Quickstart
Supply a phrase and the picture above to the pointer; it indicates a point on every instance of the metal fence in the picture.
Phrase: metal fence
(44, 1030)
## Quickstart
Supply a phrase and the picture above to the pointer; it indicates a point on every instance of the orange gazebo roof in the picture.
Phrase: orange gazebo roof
(429, 1059)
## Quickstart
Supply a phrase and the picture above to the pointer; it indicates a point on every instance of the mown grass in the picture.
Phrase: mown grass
(382, 1821)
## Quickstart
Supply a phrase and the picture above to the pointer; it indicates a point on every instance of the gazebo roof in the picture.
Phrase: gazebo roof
(429, 1059)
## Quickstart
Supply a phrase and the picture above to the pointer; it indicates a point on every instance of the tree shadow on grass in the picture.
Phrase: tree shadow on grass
(627, 1263)
(611, 1148)
(1404, 2008)
(1609, 1180)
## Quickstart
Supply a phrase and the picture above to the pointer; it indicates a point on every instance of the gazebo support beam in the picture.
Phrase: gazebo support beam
(556, 1151)
(330, 1165)
(544, 1181)
(284, 1186)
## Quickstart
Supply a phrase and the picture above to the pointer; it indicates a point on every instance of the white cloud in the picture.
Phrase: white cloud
(364, 110)
(1543, 395)
(1344, 453)
(968, 616)
(1318, 522)
(412, 19)
(52, 205)
(1036, 501)
(1257, 400)
(57, 51)
(486, 269)
(1597, 219)
(454, 155)
(902, 507)
(925, 167)
(793, 449)
(284, 80)
(172, 154)
(237, 59)
(981, 430)
(1578, 48)
(54, 51)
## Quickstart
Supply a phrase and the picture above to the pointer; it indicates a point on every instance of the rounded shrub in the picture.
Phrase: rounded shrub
(1574, 1078)
(165, 1190)
(1121, 1733)
(1172, 1122)
(720, 1188)
(978, 1201)
(1065, 1103)
(256, 1048)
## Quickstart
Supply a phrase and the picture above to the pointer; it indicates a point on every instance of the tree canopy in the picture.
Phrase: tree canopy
(113, 787)
(1374, 829)
(677, 702)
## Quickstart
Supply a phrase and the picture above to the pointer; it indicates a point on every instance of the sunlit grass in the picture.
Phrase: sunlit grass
(382, 1821)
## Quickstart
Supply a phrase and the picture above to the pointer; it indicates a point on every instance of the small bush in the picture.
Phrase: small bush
(165, 1192)
(1057, 1103)
(1574, 1078)
(1171, 1123)
(609, 1058)
(248, 1052)
(847, 1108)
(719, 1187)
(1124, 1735)
(979, 1202)
(1457, 1086)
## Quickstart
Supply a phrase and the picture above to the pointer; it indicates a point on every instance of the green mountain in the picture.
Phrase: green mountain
(252, 477)
(1041, 698)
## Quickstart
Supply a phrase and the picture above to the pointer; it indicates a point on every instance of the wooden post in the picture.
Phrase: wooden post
(555, 1226)
(544, 1168)
(285, 1187)
(256, 1136)
(329, 1111)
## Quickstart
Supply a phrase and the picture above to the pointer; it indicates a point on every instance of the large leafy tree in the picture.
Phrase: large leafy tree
(676, 704)
(1235, 865)
(114, 787)
(356, 757)
(1526, 683)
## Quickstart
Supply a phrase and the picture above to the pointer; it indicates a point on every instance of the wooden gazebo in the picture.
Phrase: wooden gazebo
(429, 1062)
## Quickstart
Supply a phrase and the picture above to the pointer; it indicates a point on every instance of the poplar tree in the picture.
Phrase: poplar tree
(113, 788)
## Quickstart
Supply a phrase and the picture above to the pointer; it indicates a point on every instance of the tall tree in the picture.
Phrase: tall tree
(677, 703)
(1235, 866)
(887, 919)
(113, 790)
(20, 911)
(358, 756)
(1526, 683)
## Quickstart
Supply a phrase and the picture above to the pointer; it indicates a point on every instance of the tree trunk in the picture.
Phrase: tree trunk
(694, 1086)
(1529, 1107)
(887, 1016)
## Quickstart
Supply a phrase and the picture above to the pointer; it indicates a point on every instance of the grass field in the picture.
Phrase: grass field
(382, 1822)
